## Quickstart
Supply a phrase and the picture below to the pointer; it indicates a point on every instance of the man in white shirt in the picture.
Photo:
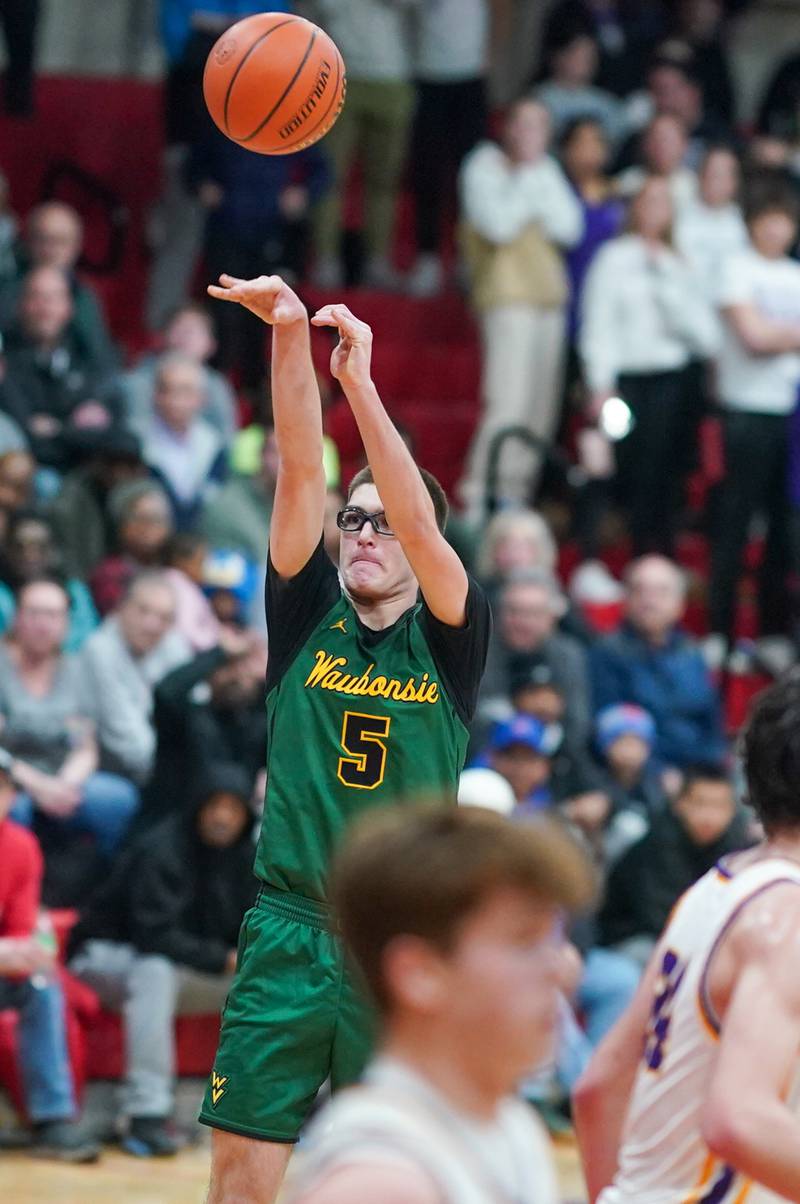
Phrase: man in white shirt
(758, 374)
(454, 919)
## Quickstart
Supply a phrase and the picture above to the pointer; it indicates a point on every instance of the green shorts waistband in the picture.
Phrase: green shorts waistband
(296, 907)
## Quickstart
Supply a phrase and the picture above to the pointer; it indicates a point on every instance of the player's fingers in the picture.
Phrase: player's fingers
(347, 322)
(323, 318)
(222, 294)
(230, 281)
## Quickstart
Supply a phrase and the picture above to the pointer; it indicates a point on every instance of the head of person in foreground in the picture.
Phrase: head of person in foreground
(455, 918)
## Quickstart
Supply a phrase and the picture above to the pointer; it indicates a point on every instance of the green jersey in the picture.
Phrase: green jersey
(356, 718)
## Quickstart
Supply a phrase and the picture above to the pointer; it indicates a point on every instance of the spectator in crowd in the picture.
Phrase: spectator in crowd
(521, 749)
(159, 939)
(663, 152)
(80, 510)
(30, 549)
(567, 89)
(134, 648)
(643, 320)
(514, 540)
(53, 387)
(184, 451)
(673, 89)
(711, 227)
(518, 210)
(190, 331)
(527, 632)
(652, 663)
(209, 710)
(625, 735)
(140, 518)
(258, 209)
(626, 31)
(49, 726)
(17, 471)
(700, 25)
(29, 986)
(195, 620)
(54, 239)
(455, 42)
(584, 152)
(758, 373)
(231, 584)
(237, 516)
(686, 839)
(189, 29)
(375, 41)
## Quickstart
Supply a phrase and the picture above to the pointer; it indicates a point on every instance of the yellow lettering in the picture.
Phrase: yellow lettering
(325, 662)
(332, 680)
(409, 692)
(363, 684)
(433, 692)
(376, 687)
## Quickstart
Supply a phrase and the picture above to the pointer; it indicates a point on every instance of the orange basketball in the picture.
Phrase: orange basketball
(274, 83)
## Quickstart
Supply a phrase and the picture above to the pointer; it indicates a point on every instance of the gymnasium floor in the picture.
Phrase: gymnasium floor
(120, 1179)
(178, 1181)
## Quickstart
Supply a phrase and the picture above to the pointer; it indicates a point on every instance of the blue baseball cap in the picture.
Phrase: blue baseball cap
(542, 738)
(623, 719)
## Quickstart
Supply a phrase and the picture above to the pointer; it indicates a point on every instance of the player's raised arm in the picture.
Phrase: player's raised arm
(298, 512)
(407, 504)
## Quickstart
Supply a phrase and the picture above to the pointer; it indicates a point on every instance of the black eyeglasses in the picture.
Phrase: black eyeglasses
(352, 519)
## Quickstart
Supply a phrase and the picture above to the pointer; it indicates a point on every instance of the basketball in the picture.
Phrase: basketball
(274, 83)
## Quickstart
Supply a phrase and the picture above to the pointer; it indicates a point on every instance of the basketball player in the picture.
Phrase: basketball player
(372, 680)
(454, 919)
(693, 1095)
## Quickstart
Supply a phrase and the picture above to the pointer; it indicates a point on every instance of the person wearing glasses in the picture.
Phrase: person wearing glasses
(372, 680)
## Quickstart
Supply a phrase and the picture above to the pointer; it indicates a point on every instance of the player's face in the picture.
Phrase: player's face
(372, 566)
(502, 981)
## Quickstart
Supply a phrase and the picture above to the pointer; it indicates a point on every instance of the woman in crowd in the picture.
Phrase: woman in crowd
(142, 518)
(48, 727)
(643, 320)
(584, 156)
(29, 550)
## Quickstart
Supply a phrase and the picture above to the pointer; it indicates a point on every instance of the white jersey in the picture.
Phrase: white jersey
(397, 1118)
(663, 1159)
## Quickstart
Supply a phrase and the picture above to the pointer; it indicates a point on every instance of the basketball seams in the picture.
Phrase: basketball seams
(258, 41)
(286, 91)
(309, 137)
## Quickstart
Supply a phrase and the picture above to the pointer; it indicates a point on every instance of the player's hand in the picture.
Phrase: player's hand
(352, 356)
(268, 297)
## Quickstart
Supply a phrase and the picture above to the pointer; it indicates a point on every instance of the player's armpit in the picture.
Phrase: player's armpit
(746, 1119)
(601, 1097)
(368, 1184)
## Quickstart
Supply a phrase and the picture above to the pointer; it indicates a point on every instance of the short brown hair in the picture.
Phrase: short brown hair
(437, 495)
(421, 870)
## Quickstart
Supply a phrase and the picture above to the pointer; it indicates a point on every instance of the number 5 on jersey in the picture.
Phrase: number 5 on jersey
(363, 741)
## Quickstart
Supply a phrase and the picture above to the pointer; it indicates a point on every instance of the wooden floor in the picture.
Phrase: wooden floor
(118, 1179)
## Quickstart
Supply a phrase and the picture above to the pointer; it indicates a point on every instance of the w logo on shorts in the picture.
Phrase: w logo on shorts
(218, 1082)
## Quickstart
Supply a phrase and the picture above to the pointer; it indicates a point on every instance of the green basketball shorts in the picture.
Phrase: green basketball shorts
(294, 1016)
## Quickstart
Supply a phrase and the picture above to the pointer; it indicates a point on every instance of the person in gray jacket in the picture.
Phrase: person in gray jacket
(122, 661)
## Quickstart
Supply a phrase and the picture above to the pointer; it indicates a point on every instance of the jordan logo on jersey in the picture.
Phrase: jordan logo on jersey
(340, 626)
(218, 1082)
(327, 675)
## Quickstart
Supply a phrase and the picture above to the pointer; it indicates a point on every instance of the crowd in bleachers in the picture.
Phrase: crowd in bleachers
(627, 249)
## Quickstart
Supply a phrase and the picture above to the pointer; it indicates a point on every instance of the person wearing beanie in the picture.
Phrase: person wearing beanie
(521, 749)
(625, 735)
(159, 939)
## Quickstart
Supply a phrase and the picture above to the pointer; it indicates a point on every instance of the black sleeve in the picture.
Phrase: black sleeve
(459, 653)
(294, 607)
